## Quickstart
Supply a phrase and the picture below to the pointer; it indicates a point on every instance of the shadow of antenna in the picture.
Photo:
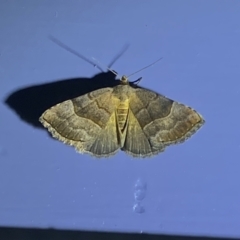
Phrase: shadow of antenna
(64, 46)
(124, 49)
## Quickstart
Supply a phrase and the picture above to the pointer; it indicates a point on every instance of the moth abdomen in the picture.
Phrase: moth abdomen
(122, 114)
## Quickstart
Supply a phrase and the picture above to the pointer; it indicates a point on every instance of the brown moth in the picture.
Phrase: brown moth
(136, 120)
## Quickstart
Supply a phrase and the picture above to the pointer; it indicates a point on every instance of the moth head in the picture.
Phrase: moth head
(124, 80)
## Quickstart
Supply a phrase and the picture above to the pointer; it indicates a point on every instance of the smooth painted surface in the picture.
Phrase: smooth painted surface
(191, 188)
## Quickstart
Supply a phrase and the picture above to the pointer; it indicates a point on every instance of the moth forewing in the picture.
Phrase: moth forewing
(136, 120)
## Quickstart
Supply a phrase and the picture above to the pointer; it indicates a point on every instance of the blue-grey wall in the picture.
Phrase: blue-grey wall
(191, 188)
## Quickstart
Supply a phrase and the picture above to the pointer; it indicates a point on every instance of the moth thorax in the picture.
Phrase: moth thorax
(122, 114)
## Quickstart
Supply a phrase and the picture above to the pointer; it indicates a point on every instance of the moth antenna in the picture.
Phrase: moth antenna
(109, 69)
(62, 45)
(145, 67)
(124, 49)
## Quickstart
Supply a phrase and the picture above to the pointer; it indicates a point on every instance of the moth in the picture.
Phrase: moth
(136, 120)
